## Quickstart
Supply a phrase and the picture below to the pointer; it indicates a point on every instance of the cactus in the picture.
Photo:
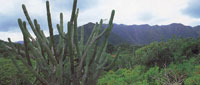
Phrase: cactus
(71, 61)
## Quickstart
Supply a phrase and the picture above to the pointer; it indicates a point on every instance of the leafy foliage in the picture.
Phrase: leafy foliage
(181, 73)
(174, 50)
(175, 62)
(9, 74)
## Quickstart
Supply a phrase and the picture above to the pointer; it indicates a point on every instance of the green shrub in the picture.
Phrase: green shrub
(9, 73)
(151, 74)
(153, 54)
(194, 79)
(187, 72)
(163, 53)
(136, 76)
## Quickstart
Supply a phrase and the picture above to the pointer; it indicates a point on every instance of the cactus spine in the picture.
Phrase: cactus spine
(71, 61)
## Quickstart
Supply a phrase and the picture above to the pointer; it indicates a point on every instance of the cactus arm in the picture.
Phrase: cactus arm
(16, 64)
(76, 37)
(57, 61)
(96, 44)
(59, 72)
(91, 36)
(27, 16)
(26, 41)
(109, 28)
(101, 55)
(73, 11)
(83, 57)
(82, 40)
(28, 66)
(29, 20)
(61, 44)
(27, 44)
(71, 47)
(20, 71)
(44, 45)
(52, 45)
(113, 62)
(61, 34)
(42, 80)
(92, 41)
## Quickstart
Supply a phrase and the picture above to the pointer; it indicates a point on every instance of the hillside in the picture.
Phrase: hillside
(145, 34)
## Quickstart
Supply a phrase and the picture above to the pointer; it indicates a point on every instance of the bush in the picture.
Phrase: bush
(186, 72)
(194, 79)
(153, 54)
(136, 76)
(9, 73)
(122, 76)
(163, 53)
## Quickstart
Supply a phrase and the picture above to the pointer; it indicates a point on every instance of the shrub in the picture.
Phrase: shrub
(163, 53)
(194, 78)
(9, 74)
(136, 76)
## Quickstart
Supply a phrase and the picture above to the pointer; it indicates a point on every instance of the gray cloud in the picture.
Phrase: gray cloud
(193, 9)
(7, 23)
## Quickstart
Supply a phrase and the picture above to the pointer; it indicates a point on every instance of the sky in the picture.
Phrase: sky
(129, 12)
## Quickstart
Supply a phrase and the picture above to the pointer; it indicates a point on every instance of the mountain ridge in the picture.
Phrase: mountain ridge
(145, 33)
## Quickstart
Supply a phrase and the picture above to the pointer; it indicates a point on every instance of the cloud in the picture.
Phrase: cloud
(7, 23)
(193, 9)
(11, 10)
(67, 4)
(15, 36)
(145, 16)
(128, 12)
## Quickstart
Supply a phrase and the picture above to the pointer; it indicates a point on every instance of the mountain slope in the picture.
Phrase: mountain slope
(145, 34)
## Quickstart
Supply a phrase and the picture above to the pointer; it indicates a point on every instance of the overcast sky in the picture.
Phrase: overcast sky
(153, 12)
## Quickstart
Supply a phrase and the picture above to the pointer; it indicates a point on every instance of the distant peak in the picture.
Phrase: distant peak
(144, 25)
(90, 23)
(179, 24)
(20, 42)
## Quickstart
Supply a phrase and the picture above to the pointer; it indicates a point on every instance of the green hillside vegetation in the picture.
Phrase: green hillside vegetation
(159, 63)
(175, 62)
(4, 49)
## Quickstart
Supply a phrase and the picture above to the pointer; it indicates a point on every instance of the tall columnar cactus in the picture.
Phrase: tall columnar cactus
(70, 61)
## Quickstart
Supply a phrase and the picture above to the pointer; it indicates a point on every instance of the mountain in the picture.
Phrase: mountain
(20, 42)
(145, 34)
(113, 39)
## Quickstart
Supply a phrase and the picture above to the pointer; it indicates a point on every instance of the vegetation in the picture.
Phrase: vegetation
(74, 59)
(175, 62)
(181, 66)
(9, 74)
